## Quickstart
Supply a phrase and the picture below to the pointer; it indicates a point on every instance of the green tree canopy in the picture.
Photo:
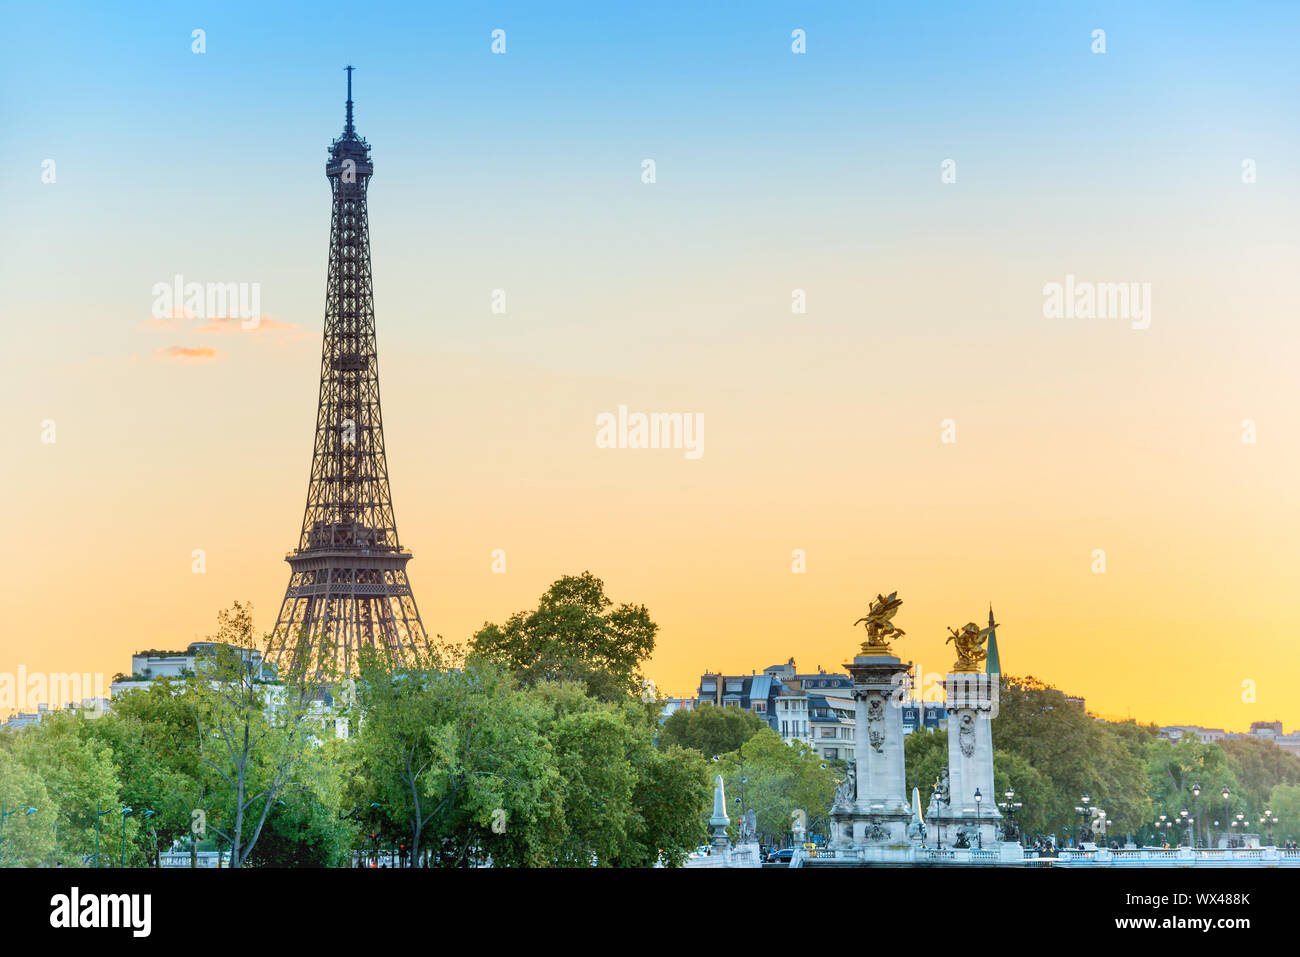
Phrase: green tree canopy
(1076, 753)
(575, 634)
(710, 730)
(26, 839)
(778, 780)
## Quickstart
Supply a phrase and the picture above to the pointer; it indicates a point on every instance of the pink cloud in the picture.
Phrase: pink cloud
(233, 324)
(188, 353)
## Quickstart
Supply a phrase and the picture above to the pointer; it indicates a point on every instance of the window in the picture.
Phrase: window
(832, 752)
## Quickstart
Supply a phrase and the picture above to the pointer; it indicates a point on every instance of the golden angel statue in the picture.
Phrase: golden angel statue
(970, 645)
(880, 626)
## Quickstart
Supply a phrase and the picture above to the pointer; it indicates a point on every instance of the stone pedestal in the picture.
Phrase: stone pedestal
(876, 812)
(971, 703)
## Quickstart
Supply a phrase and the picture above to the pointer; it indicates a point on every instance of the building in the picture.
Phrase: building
(25, 719)
(816, 708)
(924, 716)
(673, 705)
(1259, 730)
(93, 707)
(148, 666)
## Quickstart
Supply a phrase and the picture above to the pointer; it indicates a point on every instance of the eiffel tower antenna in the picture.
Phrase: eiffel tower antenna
(348, 128)
(348, 588)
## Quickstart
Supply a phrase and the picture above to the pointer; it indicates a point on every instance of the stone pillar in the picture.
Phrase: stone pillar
(879, 813)
(972, 703)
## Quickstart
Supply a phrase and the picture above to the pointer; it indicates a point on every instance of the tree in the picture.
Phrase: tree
(1073, 751)
(591, 740)
(1284, 802)
(252, 733)
(1033, 792)
(670, 785)
(82, 786)
(779, 779)
(710, 730)
(155, 744)
(925, 755)
(26, 839)
(1259, 766)
(455, 759)
(307, 829)
(575, 634)
(1173, 770)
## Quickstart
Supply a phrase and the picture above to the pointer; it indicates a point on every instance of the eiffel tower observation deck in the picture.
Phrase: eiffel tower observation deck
(348, 587)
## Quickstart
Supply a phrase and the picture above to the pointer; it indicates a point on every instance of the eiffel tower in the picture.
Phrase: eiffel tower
(348, 587)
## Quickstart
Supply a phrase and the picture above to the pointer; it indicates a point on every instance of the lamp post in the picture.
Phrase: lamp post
(938, 828)
(1267, 822)
(1196, 795)
(979, 831)
(1011, 805)
(1227, 814)
(99, 813)
(153, 832)
(125, 811)
(1162, 828)
(1182, 815)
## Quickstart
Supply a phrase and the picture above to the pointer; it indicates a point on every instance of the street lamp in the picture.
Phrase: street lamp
(1011, 805)
(979, 831)
(1183, 815)
(1267, 822)
(1082, 811)
(125, 811)
(146, 814)
(1226, 812)
(99, 813)
(938, 828)
(1196, 795)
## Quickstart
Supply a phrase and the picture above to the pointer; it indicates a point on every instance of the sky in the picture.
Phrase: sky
(1121, 489)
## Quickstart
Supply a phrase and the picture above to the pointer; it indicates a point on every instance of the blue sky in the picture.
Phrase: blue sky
(775, 172)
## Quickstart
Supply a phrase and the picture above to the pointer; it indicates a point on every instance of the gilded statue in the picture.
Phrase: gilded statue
(880, 626)
(970, 641)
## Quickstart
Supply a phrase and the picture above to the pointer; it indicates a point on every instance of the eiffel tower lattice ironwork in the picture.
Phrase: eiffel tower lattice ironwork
(348, 587)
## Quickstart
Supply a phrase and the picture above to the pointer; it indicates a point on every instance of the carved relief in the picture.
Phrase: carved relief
(966, 733)
(875, 722)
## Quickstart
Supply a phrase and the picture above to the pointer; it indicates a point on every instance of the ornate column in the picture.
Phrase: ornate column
(970, 815)
(871, 809)
(972, 702)
(882, 811)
